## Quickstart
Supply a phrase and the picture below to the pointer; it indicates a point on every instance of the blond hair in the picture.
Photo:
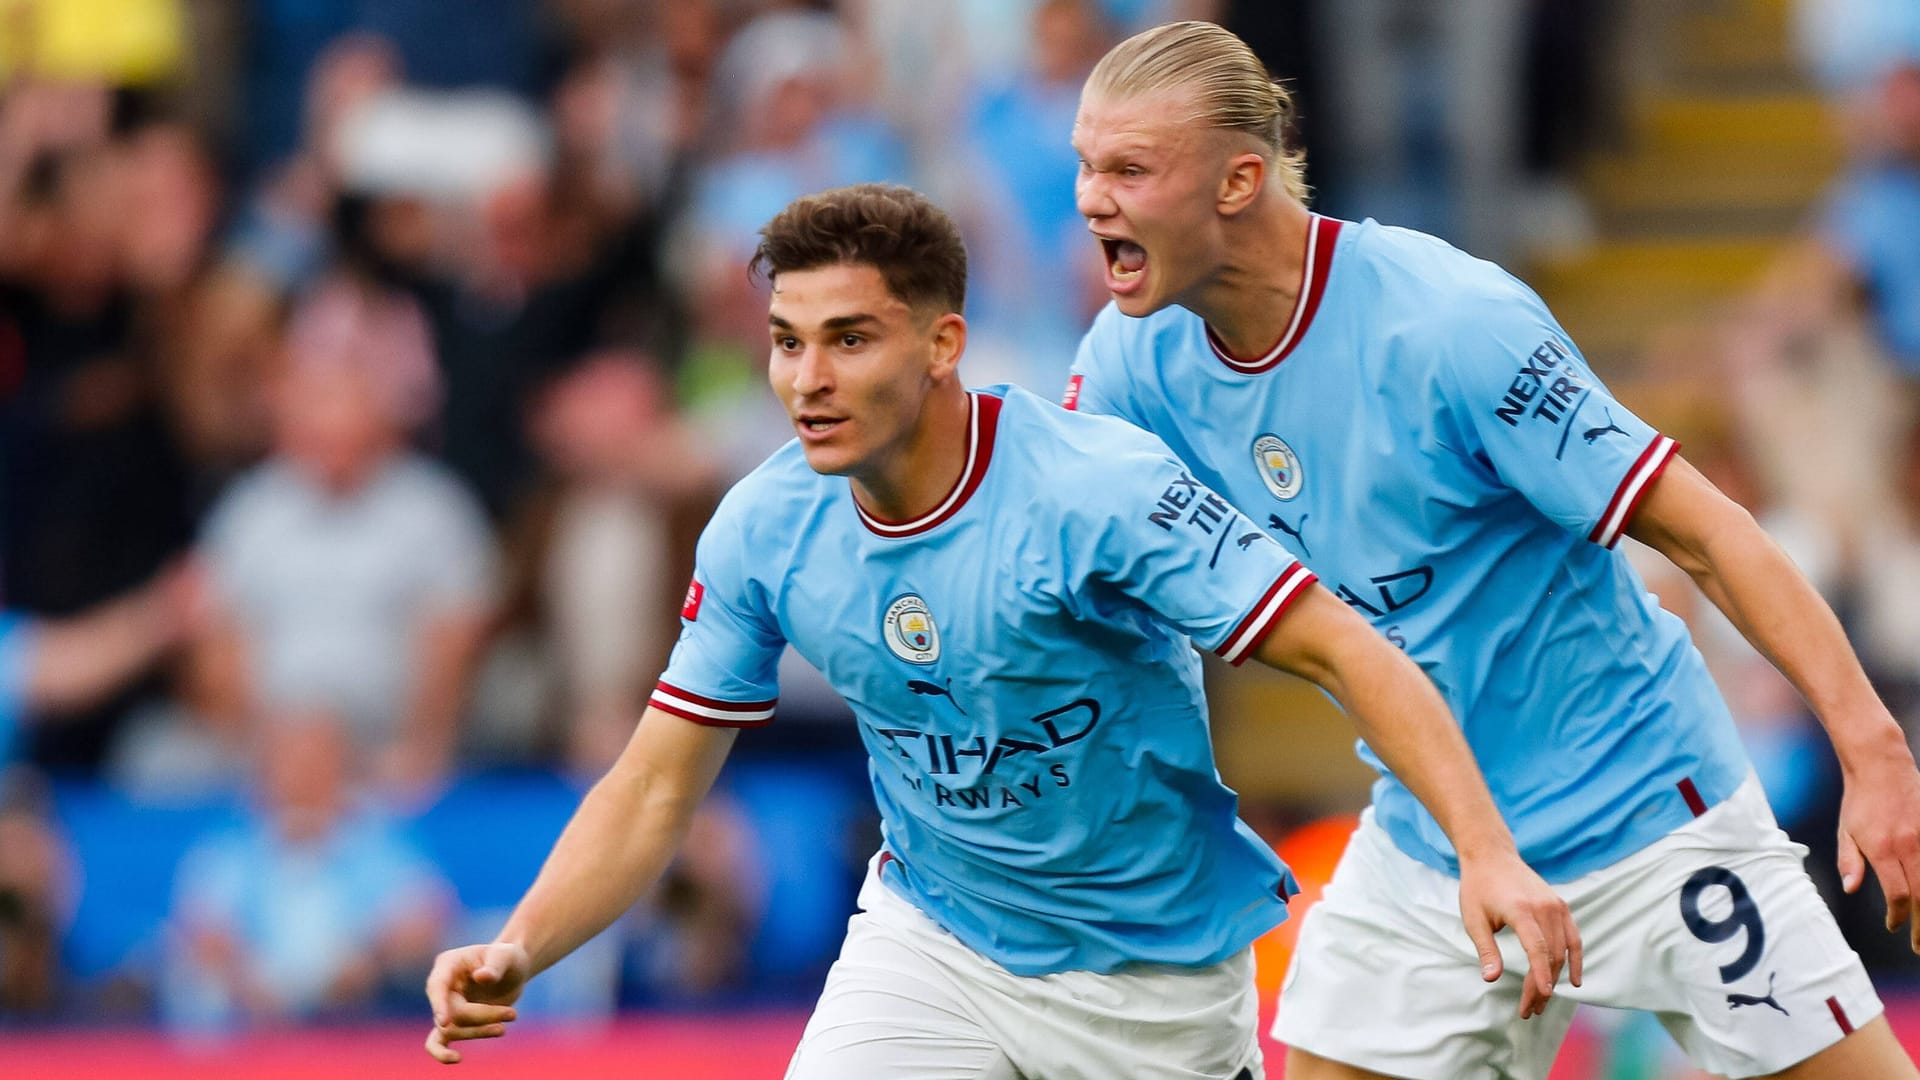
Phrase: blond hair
(1231, 86)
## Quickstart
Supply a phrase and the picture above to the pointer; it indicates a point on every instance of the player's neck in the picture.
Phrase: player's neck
(912, 482)
(1249, 301)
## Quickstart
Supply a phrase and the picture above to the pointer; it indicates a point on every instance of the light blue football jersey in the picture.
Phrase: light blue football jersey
(1019, 665)
(1427, 438)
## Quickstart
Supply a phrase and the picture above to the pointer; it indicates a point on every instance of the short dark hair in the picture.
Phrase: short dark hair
(896, 230)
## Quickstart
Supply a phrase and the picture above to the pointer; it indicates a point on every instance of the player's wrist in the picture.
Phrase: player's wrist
(1485, 847)
(521, 937)
(1871, 745)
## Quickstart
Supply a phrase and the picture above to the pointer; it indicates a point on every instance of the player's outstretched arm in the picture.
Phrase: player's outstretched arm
(1747, 576)
(1403, 718)
(617, 845)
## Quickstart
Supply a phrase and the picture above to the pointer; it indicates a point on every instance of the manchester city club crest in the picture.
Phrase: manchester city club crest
(1279, 466)
(909, 630)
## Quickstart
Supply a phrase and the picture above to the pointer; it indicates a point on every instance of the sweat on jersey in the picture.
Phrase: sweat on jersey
(1018, 662)
(1427, 438)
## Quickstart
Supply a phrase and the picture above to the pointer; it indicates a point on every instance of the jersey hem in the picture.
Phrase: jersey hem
(1562, 863)
(1104, 958)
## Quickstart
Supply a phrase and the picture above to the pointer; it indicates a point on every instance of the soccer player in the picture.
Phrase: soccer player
(1414, 425)
(1004, 593)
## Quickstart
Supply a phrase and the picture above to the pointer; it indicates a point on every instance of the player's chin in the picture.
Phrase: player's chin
(829, 460)
(1135, 294)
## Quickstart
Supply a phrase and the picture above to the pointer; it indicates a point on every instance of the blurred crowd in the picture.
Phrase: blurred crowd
(367, 368)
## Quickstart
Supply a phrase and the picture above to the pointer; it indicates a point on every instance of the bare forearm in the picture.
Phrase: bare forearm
(1400, 714)
(1749, 578)
(617, 845)
(622, 837)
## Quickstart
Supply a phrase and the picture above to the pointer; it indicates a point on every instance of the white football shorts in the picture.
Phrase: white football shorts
(1715, 929)
(907, 1001)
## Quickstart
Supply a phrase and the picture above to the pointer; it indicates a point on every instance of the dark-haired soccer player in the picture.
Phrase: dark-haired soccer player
(1005, 594)
(1414, 425)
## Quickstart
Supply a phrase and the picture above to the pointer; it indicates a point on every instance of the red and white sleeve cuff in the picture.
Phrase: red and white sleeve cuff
(1253, 629)
(711, 711)
(1626, 499)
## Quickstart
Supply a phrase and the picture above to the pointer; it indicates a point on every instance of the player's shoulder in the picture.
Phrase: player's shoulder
(1068, 457)
(774, 495)
(1421, 268)
(1436, 297)
(1115, 334)
(1042, 427)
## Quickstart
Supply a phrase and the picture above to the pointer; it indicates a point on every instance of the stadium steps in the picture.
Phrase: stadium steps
(1725, 150)
(1611, 297)
(1729, 42)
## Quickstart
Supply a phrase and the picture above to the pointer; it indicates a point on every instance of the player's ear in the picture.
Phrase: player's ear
(949, 333)
(1246, 175)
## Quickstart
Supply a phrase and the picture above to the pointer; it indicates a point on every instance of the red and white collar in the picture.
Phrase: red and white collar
(1322, 232)
(983, 422)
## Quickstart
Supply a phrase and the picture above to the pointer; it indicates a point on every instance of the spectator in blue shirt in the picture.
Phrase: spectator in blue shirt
(315, 881)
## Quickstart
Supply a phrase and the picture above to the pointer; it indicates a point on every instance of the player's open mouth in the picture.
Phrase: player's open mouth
(1126, 260)
(817, 426)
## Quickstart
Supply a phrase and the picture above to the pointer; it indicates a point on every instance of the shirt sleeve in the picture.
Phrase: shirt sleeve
(1527, 406)
(1166, 541)
(724, 669)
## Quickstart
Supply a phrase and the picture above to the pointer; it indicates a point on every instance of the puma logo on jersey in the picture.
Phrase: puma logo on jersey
(923, 687)
(1734, 1001)
(1594, 433)
(1275, 521)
